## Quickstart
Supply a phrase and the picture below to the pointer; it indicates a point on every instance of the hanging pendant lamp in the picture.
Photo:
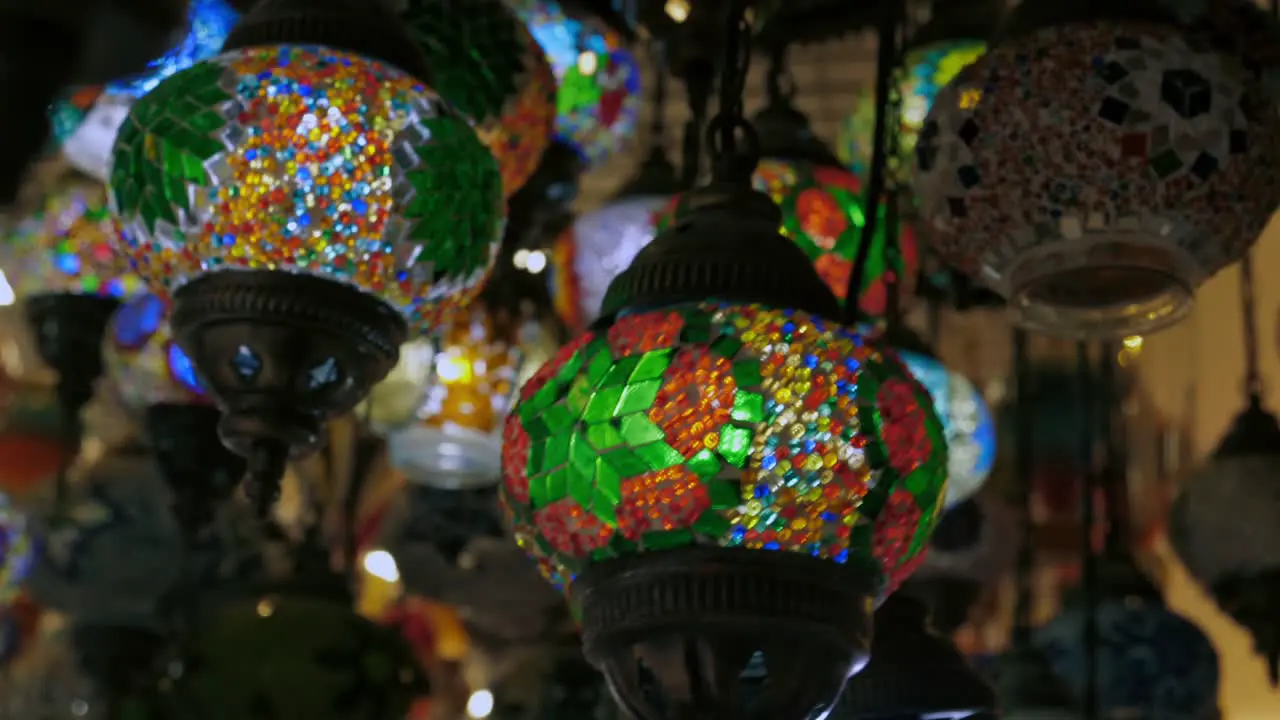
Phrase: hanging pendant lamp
(1052, 232)
(654, 466)
(285, 327)
(1222, 524)
(913, 673)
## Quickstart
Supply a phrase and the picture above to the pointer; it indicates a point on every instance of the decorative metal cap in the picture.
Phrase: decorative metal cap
(785, 133)
(724, 245)
(1254, 432)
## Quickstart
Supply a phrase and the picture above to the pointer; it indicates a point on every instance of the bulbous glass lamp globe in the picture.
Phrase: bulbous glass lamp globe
(604, 242)
(1153, 663)
(87, 121)
(394, 403)
(822, 212)
(725, 436)
(122, 510)
(1162, 189)
(476, 364)
(68, 247)
(486, 63)
(598, 93)
(928, 70)
(144, 365)
(971, 432)
(304, 194)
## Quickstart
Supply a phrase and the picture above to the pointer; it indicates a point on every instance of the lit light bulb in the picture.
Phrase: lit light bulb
(380, 564)
(537, 262)
(588, 62)
(7, 297)
(453, 367)
(480, 704)
(677, 10)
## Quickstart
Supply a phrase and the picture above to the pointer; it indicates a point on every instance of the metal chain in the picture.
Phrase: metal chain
(729, 162)
(1252, 375)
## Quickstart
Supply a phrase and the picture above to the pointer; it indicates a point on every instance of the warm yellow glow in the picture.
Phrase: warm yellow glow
(480, 704)
(677, 10)
(266, 608)
(588, 62)
(1133, 342)
(454, 367)
(969, 98)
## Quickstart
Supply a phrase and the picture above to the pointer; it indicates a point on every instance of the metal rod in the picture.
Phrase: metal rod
(1088, 521)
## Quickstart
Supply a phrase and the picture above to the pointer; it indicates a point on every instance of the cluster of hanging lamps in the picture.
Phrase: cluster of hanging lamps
(712, 457)
(231, 195)
(1161, 188)
(86, 121)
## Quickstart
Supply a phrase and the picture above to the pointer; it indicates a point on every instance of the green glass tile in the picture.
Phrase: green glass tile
(579, 394)
(569, 370)
(667, 539)
(534, 427)
(537, 453)
(582, 456)
(602, 404)
(747, 373)
(597, 368)
(659, 455)
(623, 546)
(652, 365)
(873, 502)
(621, 371)
(557, 485)
(735, 443)
(625, 463)
(637, 397)
(603, 436)
(713, 524)
(748, 407)
(725, 494)
(558, 418)
(705, 464)
(604, 508)
(638, 430)
(539, 491)
(581, 487)
(697, 330)
(726, 346)
(608, 483)
(557, 450)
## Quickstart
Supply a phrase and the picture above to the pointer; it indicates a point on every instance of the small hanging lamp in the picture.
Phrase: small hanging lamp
(658, 466)
(1223, 523)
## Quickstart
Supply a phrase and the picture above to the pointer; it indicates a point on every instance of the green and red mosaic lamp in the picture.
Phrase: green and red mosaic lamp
(309, 202)
(720, 470)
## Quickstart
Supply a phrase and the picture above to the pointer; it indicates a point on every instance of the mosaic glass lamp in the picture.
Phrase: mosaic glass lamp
(485, 62)
(954, 36)
(1221, 527)
(234, 180)
(714, 458)
(1152, 662)
(971, 432)
(476, 363)
(598, 94)
(822, 212)
(1052, 234)
(86, 122)
(62, 264)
